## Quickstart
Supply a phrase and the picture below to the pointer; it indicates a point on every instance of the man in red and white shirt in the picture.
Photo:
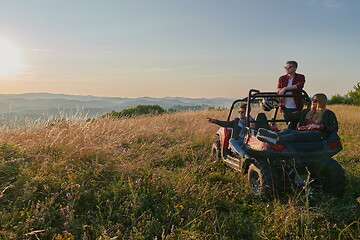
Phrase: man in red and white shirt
(291, 81)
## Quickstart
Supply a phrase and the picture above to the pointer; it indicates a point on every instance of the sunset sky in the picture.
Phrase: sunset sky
(183, 48)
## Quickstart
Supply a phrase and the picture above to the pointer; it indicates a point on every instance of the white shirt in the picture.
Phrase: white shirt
(289, 102)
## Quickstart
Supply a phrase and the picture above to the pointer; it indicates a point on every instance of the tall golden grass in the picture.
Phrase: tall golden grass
(150, 138)
(107, 135)
(349, 131)
(115, 136)
(82, 170)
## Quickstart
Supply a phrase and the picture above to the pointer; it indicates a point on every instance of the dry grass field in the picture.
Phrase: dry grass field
(151, 177)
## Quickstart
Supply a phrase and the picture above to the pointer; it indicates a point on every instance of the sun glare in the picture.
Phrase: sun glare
(10, 59)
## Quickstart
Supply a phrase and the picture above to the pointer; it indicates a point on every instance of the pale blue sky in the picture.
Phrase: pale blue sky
(187, 48)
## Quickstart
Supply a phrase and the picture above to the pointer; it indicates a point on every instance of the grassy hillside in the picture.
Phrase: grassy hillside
(152, 178)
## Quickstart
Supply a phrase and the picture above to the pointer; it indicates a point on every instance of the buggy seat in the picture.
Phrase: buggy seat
(261, 121)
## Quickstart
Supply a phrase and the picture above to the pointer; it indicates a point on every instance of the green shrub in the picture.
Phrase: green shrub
(355, 94)
(138, 110)
(352, 97)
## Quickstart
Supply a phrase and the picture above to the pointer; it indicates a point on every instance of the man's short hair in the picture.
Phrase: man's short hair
(292, 63)
(243, 106)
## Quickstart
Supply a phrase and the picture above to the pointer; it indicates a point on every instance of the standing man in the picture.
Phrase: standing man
(291, 81)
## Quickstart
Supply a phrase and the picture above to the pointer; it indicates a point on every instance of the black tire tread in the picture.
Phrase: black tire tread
(216, 150)
(269, 179)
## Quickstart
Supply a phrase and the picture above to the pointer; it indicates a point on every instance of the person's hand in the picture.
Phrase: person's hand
(210, 120)
(276, 105)
(313, 126)
(282, 91)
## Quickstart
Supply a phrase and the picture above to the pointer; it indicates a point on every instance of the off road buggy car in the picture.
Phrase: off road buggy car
(277, 169)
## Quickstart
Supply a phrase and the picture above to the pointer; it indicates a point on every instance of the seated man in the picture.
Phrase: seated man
(315, 124)
(238, 126)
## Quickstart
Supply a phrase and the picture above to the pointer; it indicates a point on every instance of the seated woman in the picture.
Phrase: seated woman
(315, 124)
(238, 126)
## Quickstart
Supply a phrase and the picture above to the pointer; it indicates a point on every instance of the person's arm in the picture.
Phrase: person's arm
(221, 123)
(284, 89)
(280, 85)
(329, 123)
(298, 85)
(300, 82)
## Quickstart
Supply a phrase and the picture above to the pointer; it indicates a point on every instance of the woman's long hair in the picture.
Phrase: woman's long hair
(313, 113)
(322, 100)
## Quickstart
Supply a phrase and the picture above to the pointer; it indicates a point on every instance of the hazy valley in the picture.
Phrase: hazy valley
(45, 105)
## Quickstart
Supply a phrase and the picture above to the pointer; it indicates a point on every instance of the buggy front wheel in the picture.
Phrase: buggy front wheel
(263, 179)
(216, 150)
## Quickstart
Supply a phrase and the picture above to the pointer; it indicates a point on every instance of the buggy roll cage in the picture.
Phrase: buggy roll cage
(254, 97)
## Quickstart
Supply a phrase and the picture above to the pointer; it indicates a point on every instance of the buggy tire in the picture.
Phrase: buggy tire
(334, 178)
(263, 179)
(216, 150)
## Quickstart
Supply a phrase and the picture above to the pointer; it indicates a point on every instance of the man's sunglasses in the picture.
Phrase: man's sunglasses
(288, 67)
(242, 111)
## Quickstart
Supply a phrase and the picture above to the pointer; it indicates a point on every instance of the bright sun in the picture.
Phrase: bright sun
(10, 59)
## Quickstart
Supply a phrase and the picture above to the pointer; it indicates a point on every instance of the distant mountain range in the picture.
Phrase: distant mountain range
(47, 104)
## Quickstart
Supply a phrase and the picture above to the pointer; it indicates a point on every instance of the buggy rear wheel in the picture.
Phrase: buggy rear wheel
(263, 179)
(216, 150)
